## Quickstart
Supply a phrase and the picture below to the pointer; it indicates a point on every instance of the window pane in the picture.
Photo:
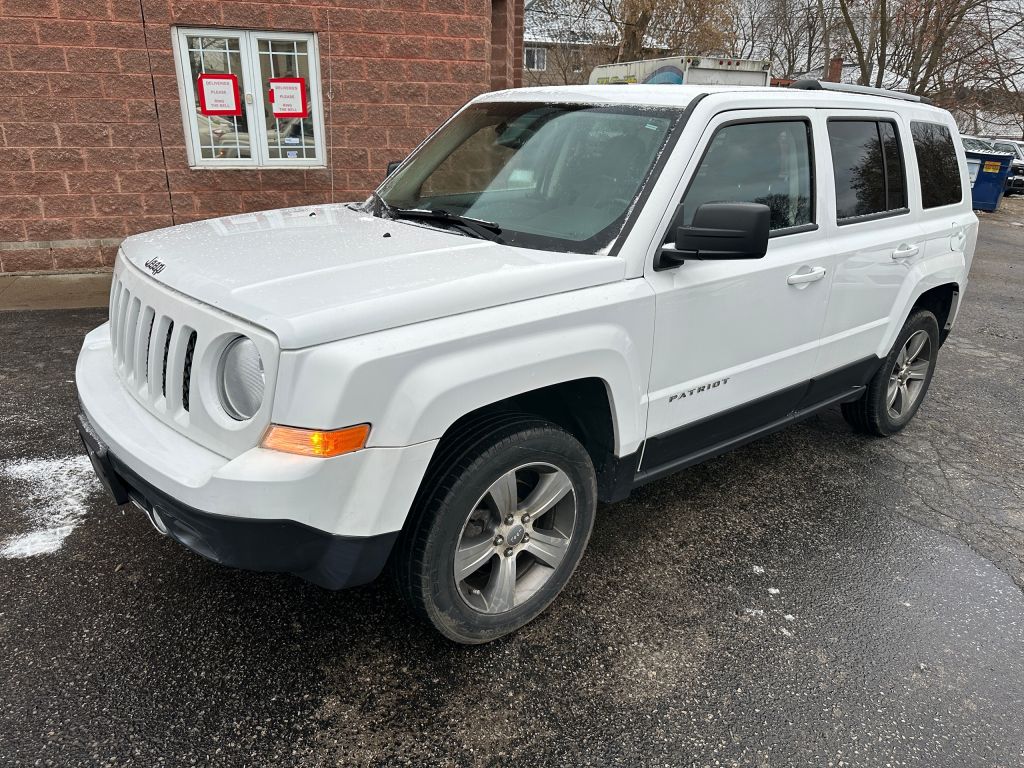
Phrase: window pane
(766, 163)
(858, 168)
(290, 136)
(220, 136)
(896, 182)
(937, 164)
(535, 59)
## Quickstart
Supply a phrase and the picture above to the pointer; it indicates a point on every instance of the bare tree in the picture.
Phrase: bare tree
(576, 37)
(649, 28)
(794, 35)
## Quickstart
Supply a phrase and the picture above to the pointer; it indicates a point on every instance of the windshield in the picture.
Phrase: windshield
(1007, 146)
(549, 176)
(976, 145)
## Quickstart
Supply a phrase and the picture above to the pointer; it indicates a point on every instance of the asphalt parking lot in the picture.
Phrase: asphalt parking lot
(815, 599)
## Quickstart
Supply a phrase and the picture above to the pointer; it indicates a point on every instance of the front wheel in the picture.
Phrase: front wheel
(498, 530)
(896, 391)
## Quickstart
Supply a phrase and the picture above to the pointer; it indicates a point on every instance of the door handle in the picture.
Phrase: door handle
(799, 278)
(906, 251)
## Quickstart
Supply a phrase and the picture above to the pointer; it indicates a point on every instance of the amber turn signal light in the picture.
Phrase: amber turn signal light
(316, 442)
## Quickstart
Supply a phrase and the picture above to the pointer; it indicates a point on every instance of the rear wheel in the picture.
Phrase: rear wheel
(498, 530)
(896, 391)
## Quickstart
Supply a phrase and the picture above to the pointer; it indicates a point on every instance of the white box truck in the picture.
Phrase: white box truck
(692, 70)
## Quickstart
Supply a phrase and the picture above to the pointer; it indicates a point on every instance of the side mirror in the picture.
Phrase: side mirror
(392, 167)
(720, 231)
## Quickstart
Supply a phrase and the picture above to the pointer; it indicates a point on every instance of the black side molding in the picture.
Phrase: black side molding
(704, 439)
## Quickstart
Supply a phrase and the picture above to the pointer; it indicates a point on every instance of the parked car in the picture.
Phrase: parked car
(974, 144)
(563, 294)
(211, 128)
(1015, 181)
(289, 139)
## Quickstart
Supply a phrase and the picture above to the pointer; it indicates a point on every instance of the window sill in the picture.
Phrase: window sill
(234, 167)
(872, 217)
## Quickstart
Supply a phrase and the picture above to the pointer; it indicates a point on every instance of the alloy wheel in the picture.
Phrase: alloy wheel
(908, 375)
(515, 538)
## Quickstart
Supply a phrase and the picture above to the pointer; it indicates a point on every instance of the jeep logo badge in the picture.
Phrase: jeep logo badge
(516, 535)
(155, 266)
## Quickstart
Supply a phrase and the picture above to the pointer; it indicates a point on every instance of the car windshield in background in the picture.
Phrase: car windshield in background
(1008, 146)
(976, 145)
(550, 176)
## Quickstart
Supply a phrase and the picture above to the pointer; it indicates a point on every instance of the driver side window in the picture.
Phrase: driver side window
(767, 162)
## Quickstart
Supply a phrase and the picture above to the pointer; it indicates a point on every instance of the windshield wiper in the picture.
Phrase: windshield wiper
(381, 206)
(487, 230)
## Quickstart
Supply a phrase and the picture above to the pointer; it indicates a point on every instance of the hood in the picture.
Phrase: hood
(317, 274)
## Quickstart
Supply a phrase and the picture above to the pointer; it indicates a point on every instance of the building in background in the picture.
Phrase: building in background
(123, 116)
(564, 40)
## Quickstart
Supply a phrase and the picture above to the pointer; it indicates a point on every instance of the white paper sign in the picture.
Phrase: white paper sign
(288, 97)
(218, 95)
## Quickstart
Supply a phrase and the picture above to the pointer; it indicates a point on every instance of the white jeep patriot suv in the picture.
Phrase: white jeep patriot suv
(562, 294)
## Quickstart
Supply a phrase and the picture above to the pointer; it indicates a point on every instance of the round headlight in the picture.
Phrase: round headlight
(241, 379)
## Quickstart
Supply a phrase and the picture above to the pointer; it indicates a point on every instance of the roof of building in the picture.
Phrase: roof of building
(566, 22)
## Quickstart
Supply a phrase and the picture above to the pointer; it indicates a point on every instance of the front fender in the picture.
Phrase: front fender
(412, 383)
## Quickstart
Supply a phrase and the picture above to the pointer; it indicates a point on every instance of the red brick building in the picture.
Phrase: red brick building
(122, 116)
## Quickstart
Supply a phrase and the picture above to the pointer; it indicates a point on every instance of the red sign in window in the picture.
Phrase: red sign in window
(218, 95)
(288, 97)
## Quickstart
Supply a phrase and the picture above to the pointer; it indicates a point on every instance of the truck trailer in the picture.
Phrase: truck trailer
(692, 70)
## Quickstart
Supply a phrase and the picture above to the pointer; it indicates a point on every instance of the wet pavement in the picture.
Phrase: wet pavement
(815, 598)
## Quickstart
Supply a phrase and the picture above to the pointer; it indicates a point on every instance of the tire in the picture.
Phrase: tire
(876, 412)
(461, 511)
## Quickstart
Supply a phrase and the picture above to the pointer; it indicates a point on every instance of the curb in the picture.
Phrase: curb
(54, 290)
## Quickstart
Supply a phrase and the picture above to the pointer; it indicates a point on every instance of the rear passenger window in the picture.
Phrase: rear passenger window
(867, 162)
(763, 162)
(892, 156)
(937, 164)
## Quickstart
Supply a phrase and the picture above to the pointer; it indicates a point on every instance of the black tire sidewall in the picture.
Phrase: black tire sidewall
(921, 320)
(441, 599)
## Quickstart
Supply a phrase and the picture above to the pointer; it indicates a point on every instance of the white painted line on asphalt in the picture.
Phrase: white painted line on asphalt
(55, 492)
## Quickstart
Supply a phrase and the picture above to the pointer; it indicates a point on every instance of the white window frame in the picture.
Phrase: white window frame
(540, 52)
(248, 44)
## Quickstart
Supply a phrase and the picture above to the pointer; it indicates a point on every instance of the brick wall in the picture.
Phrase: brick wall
(92, 146)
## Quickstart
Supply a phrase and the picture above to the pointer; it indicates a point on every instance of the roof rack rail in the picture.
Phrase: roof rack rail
(824, 85)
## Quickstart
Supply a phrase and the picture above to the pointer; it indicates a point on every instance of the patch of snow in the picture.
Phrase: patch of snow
(759, 570)
(786, 632)
(753, 612)
(789, 617)
(55, 493)
(773, 591)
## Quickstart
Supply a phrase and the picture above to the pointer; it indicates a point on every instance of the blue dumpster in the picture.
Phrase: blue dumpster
(988, 177)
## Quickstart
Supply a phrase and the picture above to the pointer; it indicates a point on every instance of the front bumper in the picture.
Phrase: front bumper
(1015, 183)
(331, 521)
(284, 546)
